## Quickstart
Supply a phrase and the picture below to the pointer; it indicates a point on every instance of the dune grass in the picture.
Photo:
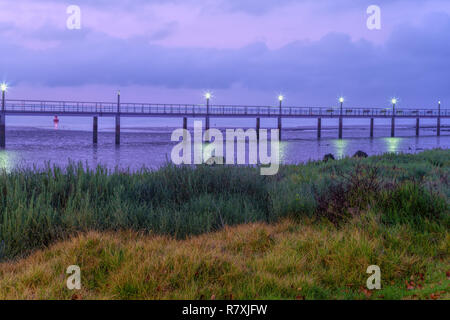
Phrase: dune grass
(157, 234)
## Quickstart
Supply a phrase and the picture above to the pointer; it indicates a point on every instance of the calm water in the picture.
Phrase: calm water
(146, 143)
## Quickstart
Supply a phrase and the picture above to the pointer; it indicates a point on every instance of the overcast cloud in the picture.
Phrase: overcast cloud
(332, 54)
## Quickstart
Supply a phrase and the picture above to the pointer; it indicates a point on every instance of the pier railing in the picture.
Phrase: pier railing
(88, 108)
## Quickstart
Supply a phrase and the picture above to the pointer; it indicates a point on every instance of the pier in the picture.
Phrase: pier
(119, 110)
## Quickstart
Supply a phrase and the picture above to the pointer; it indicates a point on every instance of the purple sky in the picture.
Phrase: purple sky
(244, 51)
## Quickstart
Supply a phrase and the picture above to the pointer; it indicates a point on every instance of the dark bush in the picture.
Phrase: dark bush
(348, 193)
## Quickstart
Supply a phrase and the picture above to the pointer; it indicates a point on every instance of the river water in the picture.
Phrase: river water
(34, 141)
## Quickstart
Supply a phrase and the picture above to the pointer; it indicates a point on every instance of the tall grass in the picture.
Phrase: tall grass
(38, 207)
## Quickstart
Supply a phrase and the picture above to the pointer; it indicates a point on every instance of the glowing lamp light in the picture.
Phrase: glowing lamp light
(394, 101)
(4, 87)
(208, 95)
(341, 99)
(280, 97)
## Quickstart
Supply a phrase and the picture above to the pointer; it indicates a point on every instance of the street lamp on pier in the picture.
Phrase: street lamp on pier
(341, 121)
(280, 99)
(4, 88)
(341, 100)
(438, 130)
(208, 96)
(394, 103)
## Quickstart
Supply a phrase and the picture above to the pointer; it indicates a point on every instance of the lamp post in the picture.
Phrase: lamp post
(394, 103)
(341, 100)
(208, 96)
(280, 99)
(439, 119)
(4, 88)
(118, 120)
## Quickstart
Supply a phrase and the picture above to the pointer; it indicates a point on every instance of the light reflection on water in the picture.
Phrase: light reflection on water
(340, 147)
(7, 160)
(392, 144)
(152, 148)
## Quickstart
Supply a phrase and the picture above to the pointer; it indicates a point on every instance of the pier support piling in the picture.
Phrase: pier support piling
(279, 128)
(438, 131)
(117, 130)
(340, 127)
(95, 130)
(393, 127)
(207, 128)
(319, 128)
(371, 127)
(185, 128)
(258, 127)
(417, 127)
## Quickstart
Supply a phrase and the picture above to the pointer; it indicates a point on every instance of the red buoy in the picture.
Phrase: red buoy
(56, 122)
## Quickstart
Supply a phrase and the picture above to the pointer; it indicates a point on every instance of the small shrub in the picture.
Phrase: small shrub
(348, 193)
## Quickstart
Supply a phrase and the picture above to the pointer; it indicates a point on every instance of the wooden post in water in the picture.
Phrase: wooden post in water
(371, 127)
(3, 120)
(95, 130)
(438, 129)
(417, 127)
(118, 120)
(319, 128)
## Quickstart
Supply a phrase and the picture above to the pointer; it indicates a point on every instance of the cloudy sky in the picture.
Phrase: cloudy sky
(244, 51)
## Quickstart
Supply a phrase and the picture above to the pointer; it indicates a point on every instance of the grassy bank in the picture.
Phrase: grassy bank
(285, 260)
(309, 232)
(40, 207)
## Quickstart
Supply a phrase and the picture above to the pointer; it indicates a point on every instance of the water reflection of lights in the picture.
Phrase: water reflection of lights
(7, 160)
(392, 144)
(340, 147)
